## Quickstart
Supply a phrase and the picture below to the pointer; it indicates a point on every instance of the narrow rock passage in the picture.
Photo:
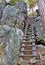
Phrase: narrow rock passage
(28, 52)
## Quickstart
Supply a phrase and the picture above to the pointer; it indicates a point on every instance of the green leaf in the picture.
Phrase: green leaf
(15, 0)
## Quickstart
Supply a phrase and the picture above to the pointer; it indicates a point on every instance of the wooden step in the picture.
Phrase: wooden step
(33, 37)
(27, 45)
(27, 56)
(28, 37)
(27, 34)
(32, 34)
(37, 60)
(25, 41)
(24, 38)
(25, 50)
(28, 50)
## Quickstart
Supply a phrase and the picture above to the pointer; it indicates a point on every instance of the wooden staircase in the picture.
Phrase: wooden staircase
(28, 48)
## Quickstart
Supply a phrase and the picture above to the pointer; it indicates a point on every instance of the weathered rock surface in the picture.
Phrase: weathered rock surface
(2, 6)
(10, 42)
(12, 13)
(12, 36)
(39, 30)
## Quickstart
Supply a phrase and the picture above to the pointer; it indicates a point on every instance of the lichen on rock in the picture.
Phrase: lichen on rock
(11, 31)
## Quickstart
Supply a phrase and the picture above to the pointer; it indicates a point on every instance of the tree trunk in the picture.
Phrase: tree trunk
(41, 6)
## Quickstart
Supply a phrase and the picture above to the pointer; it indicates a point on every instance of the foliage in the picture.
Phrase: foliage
(31, 3)
(32, 14)
(15, 0)
(0, 0)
